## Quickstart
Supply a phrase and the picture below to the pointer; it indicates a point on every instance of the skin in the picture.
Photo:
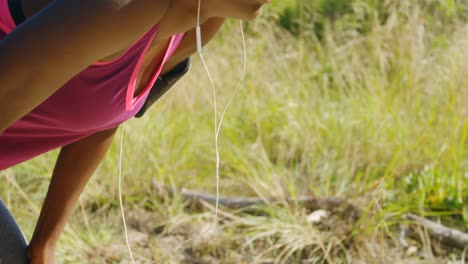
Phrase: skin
(25, 61)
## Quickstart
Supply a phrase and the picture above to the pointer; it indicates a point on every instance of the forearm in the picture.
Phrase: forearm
(75, 165)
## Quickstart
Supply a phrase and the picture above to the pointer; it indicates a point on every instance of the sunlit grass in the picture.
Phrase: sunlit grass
(380, 119)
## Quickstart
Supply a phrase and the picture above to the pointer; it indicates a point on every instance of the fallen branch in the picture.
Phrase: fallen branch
(445, 235)
(312, 204)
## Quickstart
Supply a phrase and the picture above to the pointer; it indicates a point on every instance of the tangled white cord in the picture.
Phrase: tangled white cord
(217, 129)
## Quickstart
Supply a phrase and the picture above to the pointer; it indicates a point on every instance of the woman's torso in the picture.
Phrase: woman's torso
(96, 99)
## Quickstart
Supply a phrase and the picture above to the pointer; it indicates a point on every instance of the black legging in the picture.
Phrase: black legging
(12, 242)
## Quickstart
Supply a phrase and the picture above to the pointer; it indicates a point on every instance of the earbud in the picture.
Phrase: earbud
(198, 30)
(199, 40)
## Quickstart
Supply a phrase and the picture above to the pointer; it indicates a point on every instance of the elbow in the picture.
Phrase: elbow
(15, 102)
(5, 121)
(4, 116)
(3, 126)
(7, 116)
(10, 112)
(10, 109)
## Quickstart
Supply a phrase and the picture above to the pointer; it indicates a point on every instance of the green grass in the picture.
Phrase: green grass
(379, 117)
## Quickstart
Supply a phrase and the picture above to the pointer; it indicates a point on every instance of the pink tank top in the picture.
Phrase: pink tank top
(99, 98)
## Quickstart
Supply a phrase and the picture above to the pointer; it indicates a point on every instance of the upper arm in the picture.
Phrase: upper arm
(67, 36)
(77, 161)
(87, 153)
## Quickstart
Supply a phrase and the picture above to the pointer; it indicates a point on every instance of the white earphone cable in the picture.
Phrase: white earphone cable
(217, 126)
(120, 193)
(217, 129)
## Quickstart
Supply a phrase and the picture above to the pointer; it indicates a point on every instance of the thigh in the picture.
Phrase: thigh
(12, 242)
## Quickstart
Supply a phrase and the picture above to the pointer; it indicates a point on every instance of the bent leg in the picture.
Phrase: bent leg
(12, 242)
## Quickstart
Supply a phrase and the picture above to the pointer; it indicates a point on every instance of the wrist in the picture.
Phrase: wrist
(41, 253)
(37, 249)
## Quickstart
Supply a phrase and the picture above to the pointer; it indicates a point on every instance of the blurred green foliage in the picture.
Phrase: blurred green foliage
(319, 16)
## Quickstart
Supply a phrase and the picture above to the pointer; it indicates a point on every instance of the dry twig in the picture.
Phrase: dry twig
(311, 204)
(446, 235)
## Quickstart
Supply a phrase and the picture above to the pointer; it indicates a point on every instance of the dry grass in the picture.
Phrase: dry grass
(380, 119)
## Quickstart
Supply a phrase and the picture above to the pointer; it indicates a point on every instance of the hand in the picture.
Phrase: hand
(38, 254)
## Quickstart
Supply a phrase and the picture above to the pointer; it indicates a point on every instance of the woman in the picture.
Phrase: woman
(71, 71)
